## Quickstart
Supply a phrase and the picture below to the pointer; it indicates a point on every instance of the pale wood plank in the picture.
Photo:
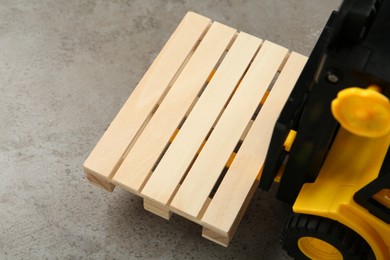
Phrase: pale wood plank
(213, 157)
(228, 201)
(151, 143)
(106, 156)
(196, 220)
(172, 167)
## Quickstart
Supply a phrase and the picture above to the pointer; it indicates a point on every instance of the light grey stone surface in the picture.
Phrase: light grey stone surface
(66, 68)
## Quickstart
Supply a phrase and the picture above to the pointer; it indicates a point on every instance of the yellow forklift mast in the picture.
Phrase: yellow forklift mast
(332, 139)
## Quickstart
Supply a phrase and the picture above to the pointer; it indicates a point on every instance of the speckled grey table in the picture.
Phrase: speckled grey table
(66, 67)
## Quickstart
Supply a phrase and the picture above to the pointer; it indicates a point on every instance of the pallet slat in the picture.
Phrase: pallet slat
(139, 162)
(166, 177)
(217, 150)
(240, 179)
(106, 156)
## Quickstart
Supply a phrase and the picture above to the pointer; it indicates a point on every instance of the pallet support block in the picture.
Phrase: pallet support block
(157, 209)
(215, 237)
(192, 137)
(99, 182)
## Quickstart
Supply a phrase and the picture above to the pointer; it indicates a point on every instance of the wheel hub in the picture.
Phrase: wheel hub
(315, 248)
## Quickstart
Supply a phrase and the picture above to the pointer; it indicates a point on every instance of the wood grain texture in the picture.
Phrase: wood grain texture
(171, 169)
(228, 201)
(191, 118)
(99, 182)
(145, 152)
(107, 154)
(157, 209)
(215, 237)
(217, 150)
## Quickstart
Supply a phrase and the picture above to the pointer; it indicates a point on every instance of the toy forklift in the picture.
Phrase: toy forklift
(330, 143)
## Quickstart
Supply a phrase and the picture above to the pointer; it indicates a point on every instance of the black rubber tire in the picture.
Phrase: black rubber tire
(345, 240)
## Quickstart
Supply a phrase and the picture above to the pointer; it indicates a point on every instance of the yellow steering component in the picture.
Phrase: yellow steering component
(364, 112)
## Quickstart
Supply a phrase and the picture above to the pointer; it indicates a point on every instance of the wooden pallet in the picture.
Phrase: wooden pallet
(192, 137)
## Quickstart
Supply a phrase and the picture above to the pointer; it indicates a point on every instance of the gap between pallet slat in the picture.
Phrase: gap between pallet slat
(226, 168)
(215, 231)
(236, 188)
(247, 129)
(231, 158)
(219, 84)
(283, 63)
(158, 104)
(195, 182)
(104, 158)
(215, 123)
(190, 109)
(136, 167)
(153, 111)
(209, 133)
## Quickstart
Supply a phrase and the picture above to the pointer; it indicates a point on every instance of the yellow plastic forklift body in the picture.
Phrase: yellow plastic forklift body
(353, 162)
